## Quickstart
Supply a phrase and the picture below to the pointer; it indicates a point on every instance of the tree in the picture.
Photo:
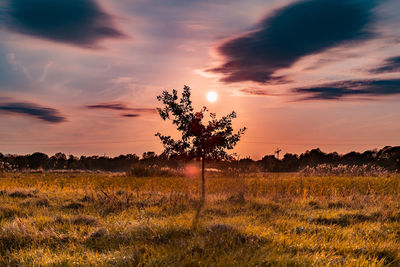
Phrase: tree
(38, 160)
(58, 161)
(199, 140)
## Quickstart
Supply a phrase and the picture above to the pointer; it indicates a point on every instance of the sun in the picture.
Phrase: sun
(212, 96)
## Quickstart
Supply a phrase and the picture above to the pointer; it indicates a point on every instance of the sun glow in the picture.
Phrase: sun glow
(192, 170)
(212, 96)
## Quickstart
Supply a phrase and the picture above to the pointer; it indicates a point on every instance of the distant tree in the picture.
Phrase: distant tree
(38, 160)
(132, 157)
(290, 162)
(58, 161)
(198, 140)
(270, 163)
(313, 158)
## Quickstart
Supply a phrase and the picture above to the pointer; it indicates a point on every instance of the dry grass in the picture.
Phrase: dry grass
(272, 220)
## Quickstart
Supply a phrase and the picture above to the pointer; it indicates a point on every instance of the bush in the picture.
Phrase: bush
(5, 167)
(151, 171)
(344, 170)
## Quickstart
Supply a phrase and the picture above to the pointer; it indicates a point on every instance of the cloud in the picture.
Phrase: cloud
(113, 106)
(7, 74)
(77, 22)
(297, 30)
(12, 76)
(257, 92)
(340, 90)
(390, 65)
(120, 106)
(130, 115)
(45, 71)
(33, 110)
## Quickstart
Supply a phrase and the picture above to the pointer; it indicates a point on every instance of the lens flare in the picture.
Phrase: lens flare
(191, 170)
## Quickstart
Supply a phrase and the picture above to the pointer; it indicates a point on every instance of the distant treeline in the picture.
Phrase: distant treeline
(387, 157)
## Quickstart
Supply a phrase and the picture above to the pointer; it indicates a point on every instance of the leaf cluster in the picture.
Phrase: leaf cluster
(200, 139)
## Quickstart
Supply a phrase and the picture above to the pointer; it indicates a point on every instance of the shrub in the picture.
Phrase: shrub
(5, 167)
(344, 170)
(151, 171)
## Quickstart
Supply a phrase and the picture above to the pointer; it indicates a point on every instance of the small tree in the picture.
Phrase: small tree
(198, 141)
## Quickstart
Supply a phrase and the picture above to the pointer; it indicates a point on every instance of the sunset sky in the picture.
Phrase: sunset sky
(82, 76)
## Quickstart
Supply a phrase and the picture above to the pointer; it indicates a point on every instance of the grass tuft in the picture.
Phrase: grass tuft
(22, 193)
(40, 202)
(9, 212)
(73, 206)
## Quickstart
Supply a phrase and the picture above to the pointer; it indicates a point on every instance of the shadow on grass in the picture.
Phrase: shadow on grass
(388, 257)
(211, 237)
(345, 220)
(19, 235)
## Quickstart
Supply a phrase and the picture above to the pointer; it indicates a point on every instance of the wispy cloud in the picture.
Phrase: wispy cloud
(44, 72)
(46, 114)
(120, 106)
(78, 22)
(257, 92)
(131, 112)
(343, 89)
(389, 65)
(295, 31)
(12, 73)
(130, 115)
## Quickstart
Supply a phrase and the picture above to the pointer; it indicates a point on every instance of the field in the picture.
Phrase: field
(261, 220)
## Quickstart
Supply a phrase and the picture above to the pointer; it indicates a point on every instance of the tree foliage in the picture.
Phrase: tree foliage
(200, 138)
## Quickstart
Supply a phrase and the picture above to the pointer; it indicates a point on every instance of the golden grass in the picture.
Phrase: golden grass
(263, 220)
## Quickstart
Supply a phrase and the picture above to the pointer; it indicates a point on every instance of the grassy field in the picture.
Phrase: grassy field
(271, 220)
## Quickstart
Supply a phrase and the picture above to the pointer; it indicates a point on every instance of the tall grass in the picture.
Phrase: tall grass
(345, 170)
(258, 220)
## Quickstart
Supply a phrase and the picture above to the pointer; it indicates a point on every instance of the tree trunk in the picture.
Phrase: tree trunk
(203, 181)
(203, 194)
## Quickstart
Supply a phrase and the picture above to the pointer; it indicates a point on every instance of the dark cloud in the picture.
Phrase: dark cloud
(255, 91)
(130, 115)
(114, 106)
(122, 107)
(78, 22)
(340, 90)
(251, 91)
(295, 31)
(30, 109)
(390, 65)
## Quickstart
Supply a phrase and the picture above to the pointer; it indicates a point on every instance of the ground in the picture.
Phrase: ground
(261, 220)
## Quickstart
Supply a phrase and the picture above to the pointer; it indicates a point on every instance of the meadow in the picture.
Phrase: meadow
(67, 219)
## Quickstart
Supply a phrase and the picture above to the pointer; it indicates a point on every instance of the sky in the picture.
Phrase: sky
(82, 76)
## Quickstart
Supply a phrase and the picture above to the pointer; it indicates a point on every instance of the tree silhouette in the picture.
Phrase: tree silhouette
(199, 140)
